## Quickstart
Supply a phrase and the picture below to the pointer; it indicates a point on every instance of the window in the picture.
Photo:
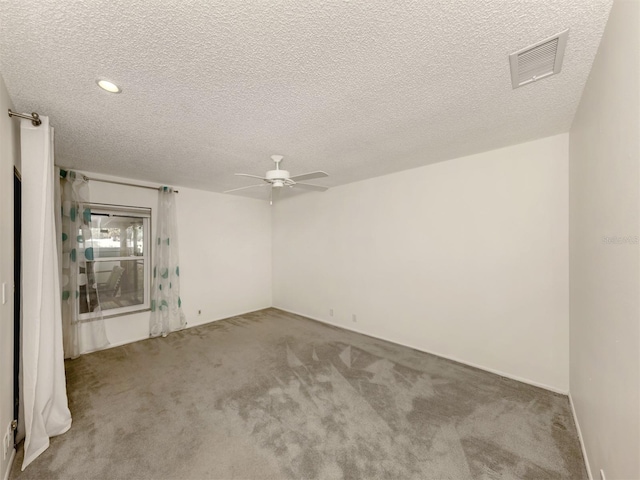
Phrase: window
(121, 257)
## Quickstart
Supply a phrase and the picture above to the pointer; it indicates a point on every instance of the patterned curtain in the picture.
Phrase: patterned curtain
(82, 321)
(166, 306)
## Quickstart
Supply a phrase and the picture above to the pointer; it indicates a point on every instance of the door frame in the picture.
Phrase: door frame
(17, 294)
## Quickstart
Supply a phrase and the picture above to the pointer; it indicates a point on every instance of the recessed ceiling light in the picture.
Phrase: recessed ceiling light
(108, 86)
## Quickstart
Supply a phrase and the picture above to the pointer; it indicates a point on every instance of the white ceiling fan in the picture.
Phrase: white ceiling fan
(281, 178)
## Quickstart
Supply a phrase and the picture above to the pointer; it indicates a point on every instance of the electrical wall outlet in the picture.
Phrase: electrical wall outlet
(353, 318)
(331, 312)
(199, 312)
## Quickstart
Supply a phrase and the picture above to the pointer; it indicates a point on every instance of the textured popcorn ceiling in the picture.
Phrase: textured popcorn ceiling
(358, 88)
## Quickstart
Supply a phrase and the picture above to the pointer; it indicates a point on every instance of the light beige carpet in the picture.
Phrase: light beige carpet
(275, 395)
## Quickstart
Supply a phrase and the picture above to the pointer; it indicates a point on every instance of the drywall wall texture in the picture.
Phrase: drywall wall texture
(604, 261)
(225, 254)
(467, 259)
(9, 156)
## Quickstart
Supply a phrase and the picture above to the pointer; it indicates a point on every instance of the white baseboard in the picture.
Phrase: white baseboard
(10, 464)
(448, 357)
(224, 317)
(189, 325)
(117, 344)
(584, 450)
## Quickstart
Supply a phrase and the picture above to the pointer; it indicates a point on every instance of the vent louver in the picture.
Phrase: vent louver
(538, 61)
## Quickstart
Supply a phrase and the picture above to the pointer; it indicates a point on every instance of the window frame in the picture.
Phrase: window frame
(145, 213)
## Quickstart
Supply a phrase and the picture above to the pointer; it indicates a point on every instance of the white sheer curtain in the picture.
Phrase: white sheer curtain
(43, 392)
(82, 321)
(166, 306)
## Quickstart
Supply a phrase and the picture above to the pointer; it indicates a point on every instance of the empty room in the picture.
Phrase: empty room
(354, 239)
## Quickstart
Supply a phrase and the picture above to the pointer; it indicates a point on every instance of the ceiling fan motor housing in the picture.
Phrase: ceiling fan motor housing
(277, 178)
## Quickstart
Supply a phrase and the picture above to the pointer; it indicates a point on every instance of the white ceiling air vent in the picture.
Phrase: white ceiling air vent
(538, 61)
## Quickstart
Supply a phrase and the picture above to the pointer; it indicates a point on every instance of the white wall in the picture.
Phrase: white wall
(605, 277)
(225, 254)
(9, 156)
(467, 259)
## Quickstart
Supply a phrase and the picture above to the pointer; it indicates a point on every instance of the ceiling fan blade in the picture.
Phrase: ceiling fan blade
(243, 188)
(309, 176)
(307, 186)
(247, 175)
